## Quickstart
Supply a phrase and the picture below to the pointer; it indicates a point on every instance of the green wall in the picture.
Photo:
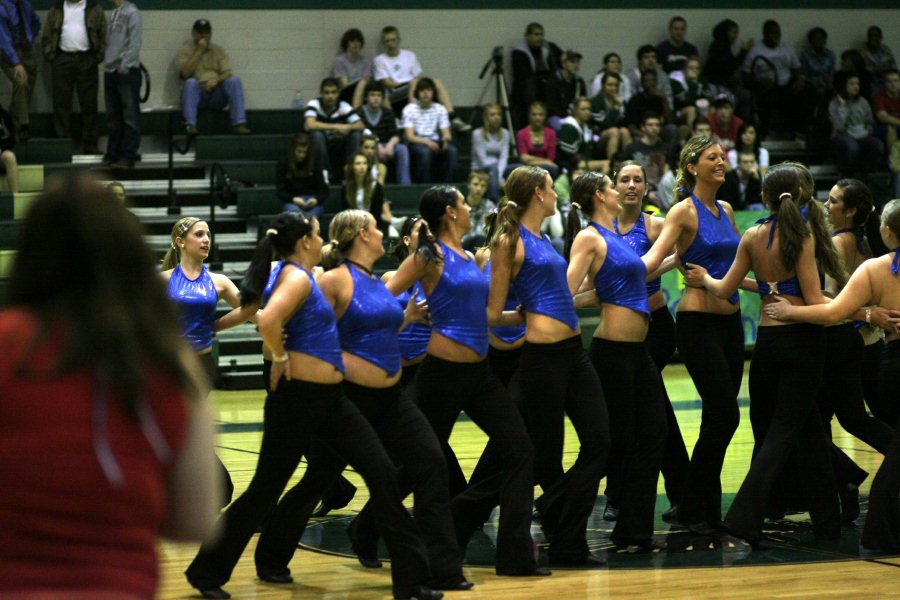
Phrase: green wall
(476, 4)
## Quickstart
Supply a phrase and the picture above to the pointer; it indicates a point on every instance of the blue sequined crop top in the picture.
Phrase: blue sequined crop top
(715, 245)
(639, 241)
(196, 300)
(368, 328)
(458, 302)
(312, 329)
(621, 278)
(541, 282)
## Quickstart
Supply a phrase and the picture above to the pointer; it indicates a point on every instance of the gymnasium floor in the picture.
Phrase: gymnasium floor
(797, 567)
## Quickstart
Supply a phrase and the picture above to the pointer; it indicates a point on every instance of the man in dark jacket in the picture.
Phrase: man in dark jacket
(74, 42)
(534, 61)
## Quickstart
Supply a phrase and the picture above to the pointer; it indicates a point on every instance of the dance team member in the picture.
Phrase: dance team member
(306, 400)
(631, 382)
(848, 207)
(455, 376)
(708, 329)
(368, 319)
(555, 374)
(786, 368)
(876, 281)
(640, 230)
(196, 292)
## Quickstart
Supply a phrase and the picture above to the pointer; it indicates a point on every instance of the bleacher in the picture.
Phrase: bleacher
(249, 162)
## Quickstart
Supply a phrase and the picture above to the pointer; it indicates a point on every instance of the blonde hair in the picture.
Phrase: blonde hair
(181, 227)
(487, 107)
(343, 231)
(690, 155)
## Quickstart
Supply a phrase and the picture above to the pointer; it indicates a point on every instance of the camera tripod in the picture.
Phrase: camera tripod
(497, 80)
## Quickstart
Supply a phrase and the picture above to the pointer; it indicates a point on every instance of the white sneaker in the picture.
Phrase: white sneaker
(460, 126)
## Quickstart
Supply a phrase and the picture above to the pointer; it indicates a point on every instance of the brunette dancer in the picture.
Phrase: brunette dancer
(640, 230)
(786, 369)
(631, 382)
(876, 281)
(555, 374)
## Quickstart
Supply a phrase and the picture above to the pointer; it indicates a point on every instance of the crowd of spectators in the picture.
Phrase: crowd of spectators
(744, 93)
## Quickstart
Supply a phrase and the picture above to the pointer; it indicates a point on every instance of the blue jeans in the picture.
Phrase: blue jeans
(853, 156)
(123, 111)
(229, 93)
(401, 156)
(316, 211)
(423, 157)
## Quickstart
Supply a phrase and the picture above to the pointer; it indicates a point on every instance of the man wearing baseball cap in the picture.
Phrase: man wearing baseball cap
(208, 80)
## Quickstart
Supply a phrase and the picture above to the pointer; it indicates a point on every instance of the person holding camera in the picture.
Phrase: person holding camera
(427, 127)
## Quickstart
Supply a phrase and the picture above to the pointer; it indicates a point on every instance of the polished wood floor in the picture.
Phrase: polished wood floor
(320, 575)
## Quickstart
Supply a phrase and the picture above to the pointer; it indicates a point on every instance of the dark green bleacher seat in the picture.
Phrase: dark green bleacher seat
(247, 147)
(44, 150)
(9, 230)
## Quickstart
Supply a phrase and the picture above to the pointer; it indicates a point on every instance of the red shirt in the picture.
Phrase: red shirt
(63, 525)
(881, 102)
(546, 150)
(727, 137)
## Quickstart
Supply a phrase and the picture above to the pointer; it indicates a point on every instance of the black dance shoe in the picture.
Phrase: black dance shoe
(420, 592)
(453, 583)
(610, 513)
(216, 593)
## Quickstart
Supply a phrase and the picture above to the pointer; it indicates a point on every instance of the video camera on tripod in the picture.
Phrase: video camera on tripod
(496, 59)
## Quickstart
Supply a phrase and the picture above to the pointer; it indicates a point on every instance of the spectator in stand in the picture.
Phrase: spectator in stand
(118, 190)
(702, 128)
(772, 70)
(748, 141)
(380, 120)
(650, 99)
(576, 136)
(674, 52)
(856, 149)
(534, 61)
(352, 68)
(691, 93)
(19, 28)
(742, 188)
(8, 163)
(878, 57)
(490, 150)
(479, 208)
(208, 80)
(122, 85)
(368, 145)
(646, 56)
(334, 129)
(853, 63)
(536, 142)
(427, 126)
(399, 71)
(299, 184)
(608, 115)
(723, 64)
(819, 64)
(725, 124)
(361, 191)
(74, 42)
(656, 156)
(612, 63)
(886, 106)
(564, 86)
